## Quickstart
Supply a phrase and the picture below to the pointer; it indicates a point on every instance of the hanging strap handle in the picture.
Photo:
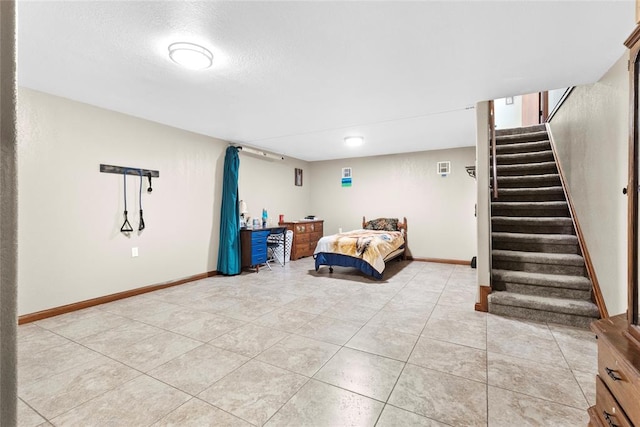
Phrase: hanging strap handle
(141, 226)
(126, 226)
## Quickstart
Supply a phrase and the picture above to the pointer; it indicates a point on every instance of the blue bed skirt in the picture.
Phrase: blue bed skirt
(324, 258)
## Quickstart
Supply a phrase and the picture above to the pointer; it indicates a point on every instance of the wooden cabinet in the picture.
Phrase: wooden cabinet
(305, 237)
(618, 379)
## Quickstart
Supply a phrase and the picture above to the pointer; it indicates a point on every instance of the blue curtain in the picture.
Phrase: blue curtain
(229, 249)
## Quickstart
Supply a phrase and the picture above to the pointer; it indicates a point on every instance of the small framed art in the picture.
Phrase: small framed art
(298, 177)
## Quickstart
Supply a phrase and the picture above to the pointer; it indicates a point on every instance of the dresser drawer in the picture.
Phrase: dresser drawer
(607, 408)
(259, 237)
(304, 249)
(619, 379)
(302, 238)
(258, 256)
(314, 237)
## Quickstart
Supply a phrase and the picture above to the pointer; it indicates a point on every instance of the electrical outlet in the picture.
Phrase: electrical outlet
(134, 252)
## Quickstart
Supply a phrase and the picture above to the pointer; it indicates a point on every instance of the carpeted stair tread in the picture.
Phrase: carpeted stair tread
(520, 137)
(532, 220)
(555, 204)
(538, 257)
(564, 239)
(547, 304)
(521, 130)
(527, 180)
(527, 167)
(524, 158)
(523, 147)
(541, 279)
(521, 191)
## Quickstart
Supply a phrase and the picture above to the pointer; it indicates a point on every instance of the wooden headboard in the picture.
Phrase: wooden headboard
(402, 225)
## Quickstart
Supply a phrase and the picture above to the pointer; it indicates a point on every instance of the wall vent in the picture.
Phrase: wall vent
(443, 168)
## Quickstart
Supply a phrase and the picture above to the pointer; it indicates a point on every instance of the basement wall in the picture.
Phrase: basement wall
(591, 132)
(70, 245)
(439, 210)
(484, 195)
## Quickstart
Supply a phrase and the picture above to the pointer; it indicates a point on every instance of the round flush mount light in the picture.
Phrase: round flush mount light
(354, 141)
(190, 55)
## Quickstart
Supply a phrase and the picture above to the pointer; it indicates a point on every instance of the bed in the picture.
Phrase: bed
(368, 249)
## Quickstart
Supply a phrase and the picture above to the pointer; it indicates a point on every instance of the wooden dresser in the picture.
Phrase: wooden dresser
(305, 236)
(618, 379)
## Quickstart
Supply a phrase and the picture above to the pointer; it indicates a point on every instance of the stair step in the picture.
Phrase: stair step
(559, 239)
(538, 180)
(537, 168)
(523, 147)
(539, 257)
(544, 309)
(550, 285)
(538, 262)
(550, 243)
(541, 279)
(532, 225)
(524, 158)
(521, 137)
(520, 130)
(531, 194)
(556, 208)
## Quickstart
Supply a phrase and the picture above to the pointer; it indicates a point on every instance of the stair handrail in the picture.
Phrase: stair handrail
(492, 138)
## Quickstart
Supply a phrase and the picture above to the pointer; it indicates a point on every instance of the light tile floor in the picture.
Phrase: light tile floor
(292, 347)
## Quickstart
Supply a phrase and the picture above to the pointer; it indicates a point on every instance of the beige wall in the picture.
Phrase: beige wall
(269, 184)
(70, 246)
(439, 211)
(591, 134)
(484, 196)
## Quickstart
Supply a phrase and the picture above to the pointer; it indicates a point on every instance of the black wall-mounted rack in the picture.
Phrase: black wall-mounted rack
(130, 171)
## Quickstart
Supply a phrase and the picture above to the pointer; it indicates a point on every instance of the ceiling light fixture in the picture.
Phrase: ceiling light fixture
(354, 141)
(190, 55)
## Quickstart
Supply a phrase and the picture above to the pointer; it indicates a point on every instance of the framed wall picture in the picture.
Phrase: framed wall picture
(298, 177)
(346, 177)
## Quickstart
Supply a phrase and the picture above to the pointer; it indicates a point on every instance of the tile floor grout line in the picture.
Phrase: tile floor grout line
(217, 407)
(331, 358)
(140, 372)
(404, 367)
(34, 410)
(409, 357)
(539, 398)
(568, 365)
(424, 416)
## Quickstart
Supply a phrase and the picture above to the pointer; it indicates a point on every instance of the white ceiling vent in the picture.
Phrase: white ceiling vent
(444, 168)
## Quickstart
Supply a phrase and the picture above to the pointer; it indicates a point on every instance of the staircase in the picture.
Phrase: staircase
(537, 272)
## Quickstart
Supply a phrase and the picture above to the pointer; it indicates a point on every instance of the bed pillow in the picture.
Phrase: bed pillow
(386, 224)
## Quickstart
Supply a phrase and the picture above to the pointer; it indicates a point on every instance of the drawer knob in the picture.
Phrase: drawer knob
(607, 417)
(612, 374)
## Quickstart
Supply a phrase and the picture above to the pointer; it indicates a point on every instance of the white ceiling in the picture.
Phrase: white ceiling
(297, 77)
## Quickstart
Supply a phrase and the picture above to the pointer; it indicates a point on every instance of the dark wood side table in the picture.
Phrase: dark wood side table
(253, 245)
